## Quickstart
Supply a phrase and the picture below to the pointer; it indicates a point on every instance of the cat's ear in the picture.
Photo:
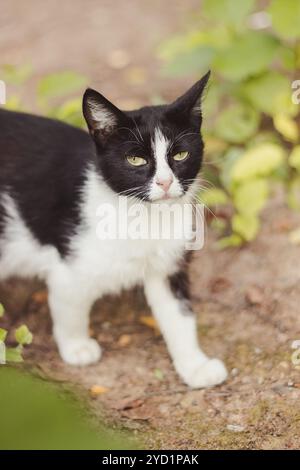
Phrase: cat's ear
(102, 117)
(190, 101)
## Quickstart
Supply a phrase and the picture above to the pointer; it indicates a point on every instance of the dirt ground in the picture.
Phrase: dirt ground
(247, 300)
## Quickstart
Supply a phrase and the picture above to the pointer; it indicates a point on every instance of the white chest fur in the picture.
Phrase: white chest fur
(116, 263)
(102, 266)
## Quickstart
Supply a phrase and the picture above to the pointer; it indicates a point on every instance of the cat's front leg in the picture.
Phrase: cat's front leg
(168, 299)
(70, 306)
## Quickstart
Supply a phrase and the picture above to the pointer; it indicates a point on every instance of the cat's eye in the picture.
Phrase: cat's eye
(180, 156)
(136, 161)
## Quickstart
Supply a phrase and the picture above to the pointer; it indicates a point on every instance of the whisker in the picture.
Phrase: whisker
(142, 140)
(132, 132)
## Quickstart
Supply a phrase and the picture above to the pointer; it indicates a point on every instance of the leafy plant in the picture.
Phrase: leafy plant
(252, 139)
(37, 414)
(22, 336)
(53, 94)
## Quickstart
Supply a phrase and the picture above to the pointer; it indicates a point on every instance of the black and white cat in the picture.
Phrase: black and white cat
(53, 178)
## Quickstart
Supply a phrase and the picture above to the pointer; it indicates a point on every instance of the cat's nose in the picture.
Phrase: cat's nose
(164, 183)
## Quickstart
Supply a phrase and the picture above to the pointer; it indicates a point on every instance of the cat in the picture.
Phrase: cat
(54, 176)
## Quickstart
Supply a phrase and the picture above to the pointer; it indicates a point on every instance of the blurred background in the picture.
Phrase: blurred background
(245, 281)
(112, 43)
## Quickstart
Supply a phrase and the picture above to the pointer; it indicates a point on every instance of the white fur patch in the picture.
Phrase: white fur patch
(20, 253)
(96, 267)
(160, 147)
(102, 117)
(180, 333)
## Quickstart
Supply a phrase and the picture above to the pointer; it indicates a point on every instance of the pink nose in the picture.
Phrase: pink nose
(164, 183)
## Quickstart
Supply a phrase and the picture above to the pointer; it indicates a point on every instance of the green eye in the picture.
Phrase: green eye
(179, 157)
(136, 161)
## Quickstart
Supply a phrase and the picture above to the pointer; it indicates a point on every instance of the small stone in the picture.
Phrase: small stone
(235, 372)
(235, 428)
(284, 365)
(254, 295)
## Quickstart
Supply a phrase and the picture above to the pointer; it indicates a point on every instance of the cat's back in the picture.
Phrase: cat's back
(30, 143)
(43, 165)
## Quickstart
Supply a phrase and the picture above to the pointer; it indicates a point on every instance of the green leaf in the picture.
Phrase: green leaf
(233, 240)
(196, 60)
(246, 225)
(229, 160)
(250, 197)
(260, 160)
(249, 54)
(288, 57)
(158, 373)
(180, 44)
(13, 103)
(285, 16)
(237, 123)
(70, 112)
(270, 93)
(219, 225)
(227, 11)
(16, 75)
(214, 197)
(14, 354)
(3, 334)
(23, 335)
(1, 310)
(286, 126)
(60, 84)
(294, 158)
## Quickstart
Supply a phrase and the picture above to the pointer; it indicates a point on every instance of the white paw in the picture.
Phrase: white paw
(207, 374)
(80, 352)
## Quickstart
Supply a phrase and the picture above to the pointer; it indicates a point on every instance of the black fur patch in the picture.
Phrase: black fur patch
(43, 165)
(180, 284)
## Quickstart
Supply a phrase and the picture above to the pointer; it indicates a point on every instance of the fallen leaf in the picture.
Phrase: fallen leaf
(96, 390)
(40, 296)
(124, 340)
(144, 412)
(148, 320)
(127, 404)
(218, 284)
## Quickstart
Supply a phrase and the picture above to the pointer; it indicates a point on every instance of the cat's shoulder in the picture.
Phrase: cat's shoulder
(21, 123)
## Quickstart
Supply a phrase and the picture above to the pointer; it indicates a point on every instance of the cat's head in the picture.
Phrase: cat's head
(153, 153)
